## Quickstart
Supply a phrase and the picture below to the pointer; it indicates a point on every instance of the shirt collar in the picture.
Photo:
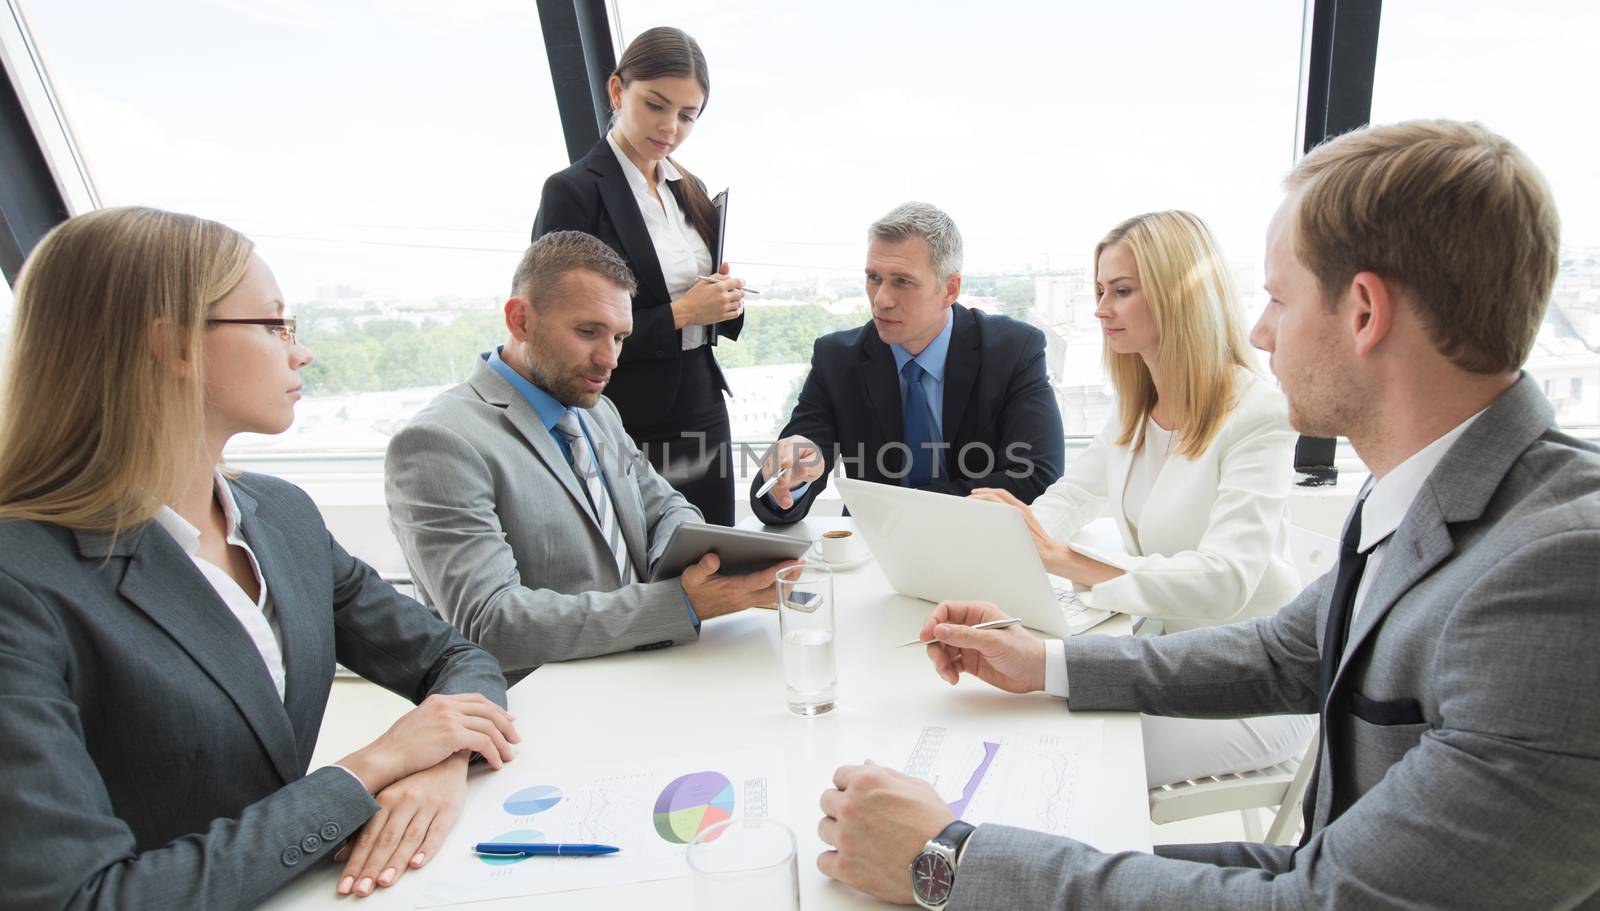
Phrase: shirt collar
(187, 536)
(1390, 497)
(932, 357)
(545, 404)
(664, 168)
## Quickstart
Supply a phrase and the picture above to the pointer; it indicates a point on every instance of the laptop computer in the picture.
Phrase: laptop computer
(939, 547)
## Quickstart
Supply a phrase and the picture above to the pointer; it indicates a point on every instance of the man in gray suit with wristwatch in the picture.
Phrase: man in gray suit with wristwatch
(527, 516)
(1451, 654)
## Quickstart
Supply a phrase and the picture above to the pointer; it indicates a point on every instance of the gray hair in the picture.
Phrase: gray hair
(918, 219)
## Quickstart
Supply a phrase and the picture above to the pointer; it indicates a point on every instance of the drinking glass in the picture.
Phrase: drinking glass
(805, 619)
(744, 863)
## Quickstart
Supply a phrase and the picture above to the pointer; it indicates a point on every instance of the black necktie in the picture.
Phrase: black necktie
(1351, 564)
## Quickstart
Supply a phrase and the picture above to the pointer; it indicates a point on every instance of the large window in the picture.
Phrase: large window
(1526, 72)
(7, 308)
(386, 155)
(1036, 125)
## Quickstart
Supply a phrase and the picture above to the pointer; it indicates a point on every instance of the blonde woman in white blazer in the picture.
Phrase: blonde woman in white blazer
(1195, 469)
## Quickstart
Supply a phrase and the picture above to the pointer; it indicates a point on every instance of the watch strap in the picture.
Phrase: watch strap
(955, 835)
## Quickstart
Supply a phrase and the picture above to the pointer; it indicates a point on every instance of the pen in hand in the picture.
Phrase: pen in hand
(717, 278)
(771, 483)
(992, 624)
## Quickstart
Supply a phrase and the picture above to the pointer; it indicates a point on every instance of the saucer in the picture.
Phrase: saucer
(814, 555)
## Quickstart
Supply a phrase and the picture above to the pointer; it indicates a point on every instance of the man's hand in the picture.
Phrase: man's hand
(801, 462)
(713, 594)
(414, 815)
(878, 821)
(1008, 658)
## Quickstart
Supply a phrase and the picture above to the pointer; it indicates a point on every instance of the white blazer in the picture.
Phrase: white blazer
(1213, 542)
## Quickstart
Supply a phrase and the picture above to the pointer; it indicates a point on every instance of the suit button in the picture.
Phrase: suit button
(310, 844)
(291, 855)
(331, 831)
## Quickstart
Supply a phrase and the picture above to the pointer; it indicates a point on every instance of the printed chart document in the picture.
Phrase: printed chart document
(1041, 778)
(650, 809)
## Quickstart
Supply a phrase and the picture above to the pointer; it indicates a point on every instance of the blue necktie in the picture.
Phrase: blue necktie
(919, 427)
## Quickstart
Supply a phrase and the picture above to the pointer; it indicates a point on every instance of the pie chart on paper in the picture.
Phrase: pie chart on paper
(524, 836)
(691, 804)
(536, 799)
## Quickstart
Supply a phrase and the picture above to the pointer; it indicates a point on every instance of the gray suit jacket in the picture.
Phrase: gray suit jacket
(497, 532)
(1462, 764)
(148, 761)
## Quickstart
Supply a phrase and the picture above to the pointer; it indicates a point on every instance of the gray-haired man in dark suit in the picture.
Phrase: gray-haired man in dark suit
(1450, 654)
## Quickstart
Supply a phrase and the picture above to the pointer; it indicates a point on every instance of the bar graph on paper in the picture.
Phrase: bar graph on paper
(1015, 779)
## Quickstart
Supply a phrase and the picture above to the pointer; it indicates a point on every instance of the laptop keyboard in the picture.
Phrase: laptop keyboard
(1070, 605)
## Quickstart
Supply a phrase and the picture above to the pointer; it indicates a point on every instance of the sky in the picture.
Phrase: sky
(398, 146)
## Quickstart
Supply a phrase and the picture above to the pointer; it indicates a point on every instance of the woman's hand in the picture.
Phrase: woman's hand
(1057, 557)
(431, 733)
(710, 302)
(414, 815)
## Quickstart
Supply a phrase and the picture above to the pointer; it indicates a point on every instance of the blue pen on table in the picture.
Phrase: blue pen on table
(540, 849)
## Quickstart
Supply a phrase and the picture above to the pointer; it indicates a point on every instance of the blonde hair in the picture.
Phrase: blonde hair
(95, 427)
(1450, 211)
(1190, 293)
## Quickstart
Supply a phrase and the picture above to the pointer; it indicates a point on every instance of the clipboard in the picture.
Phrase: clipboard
(719, 252)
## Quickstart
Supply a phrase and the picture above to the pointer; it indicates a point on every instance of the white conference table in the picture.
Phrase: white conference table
(725, 692)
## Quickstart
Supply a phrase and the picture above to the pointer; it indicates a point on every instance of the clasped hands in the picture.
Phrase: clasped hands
(877, 819)
(417, 772)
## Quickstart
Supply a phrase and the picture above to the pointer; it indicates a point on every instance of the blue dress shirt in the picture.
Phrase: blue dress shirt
(550, 410)
(932, 361)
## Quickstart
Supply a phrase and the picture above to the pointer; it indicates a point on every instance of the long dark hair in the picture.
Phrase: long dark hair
(667, 52)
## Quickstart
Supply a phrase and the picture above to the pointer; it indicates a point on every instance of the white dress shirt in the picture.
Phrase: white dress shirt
(256, 615)
(680, 249)
(1388, 500)
(1142, 474)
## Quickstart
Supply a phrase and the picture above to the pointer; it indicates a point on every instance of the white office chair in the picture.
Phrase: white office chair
(1313, 553)
(1282, 786)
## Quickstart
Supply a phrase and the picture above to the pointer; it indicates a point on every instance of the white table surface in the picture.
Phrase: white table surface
(726, 692)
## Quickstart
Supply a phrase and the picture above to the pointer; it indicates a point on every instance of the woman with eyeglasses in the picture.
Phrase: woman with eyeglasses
(631, 193)
(168, 628)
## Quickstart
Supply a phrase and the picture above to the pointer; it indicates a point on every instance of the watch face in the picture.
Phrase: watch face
(932, 878)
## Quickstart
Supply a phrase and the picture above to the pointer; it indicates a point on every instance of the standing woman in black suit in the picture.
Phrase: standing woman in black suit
(631, 194)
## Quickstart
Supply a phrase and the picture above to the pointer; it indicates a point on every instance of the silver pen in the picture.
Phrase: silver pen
(717, 278)
(992, 624)
(771, 483)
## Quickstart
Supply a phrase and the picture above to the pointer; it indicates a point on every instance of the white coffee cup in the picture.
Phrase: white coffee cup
(838, 546)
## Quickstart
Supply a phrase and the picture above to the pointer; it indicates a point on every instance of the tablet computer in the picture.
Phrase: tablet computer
(739, 550)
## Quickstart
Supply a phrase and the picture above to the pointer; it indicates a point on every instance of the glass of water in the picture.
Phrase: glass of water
(745, 863)
(805, 617)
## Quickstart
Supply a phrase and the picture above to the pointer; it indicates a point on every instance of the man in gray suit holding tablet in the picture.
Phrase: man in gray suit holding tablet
(527, 516)
(1451, 654)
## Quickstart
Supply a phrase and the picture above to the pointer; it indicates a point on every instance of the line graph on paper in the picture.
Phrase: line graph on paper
(1018, 779)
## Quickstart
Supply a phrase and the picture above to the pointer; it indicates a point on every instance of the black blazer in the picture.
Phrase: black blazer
(997, 399)
(593, 196)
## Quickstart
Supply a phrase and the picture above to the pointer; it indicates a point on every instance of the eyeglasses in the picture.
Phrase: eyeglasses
(282, 328)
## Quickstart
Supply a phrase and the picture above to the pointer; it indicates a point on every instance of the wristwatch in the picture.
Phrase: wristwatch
(933, 872)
